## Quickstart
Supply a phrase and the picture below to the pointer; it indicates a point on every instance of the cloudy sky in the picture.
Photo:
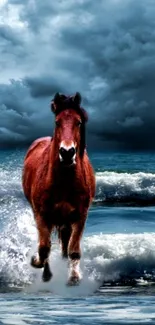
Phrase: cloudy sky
(104, 49)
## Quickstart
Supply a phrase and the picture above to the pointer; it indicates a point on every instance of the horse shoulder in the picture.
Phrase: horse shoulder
(39, 144)
(35, 166)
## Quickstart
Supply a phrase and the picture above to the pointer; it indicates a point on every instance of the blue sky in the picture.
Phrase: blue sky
(103, 49)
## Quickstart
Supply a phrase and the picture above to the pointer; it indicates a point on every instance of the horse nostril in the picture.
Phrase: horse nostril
(71, 152)
(62, 151)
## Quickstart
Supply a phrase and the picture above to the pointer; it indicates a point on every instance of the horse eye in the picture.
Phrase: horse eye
(79, 123)
(57, 123)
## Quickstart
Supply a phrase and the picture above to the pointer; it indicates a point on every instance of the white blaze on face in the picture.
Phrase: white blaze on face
(67, 147)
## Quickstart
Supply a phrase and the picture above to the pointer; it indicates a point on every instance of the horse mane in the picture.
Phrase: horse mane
(62, 102)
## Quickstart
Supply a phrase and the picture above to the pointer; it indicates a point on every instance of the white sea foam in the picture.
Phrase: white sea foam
(117, 257)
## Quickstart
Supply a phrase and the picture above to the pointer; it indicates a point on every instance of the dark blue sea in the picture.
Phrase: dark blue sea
(118, 249)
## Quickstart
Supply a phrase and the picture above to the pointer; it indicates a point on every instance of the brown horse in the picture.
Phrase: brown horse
(59, 183)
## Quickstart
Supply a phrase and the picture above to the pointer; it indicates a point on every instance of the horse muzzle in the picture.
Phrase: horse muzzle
(67, 154)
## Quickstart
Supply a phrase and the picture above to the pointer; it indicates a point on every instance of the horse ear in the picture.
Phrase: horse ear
(55, 102)
(77, 99)
(57, 98)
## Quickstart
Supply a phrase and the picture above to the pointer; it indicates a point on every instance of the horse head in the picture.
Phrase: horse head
(70, 119)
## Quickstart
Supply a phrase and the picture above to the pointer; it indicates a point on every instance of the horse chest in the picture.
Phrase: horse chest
(62, 198)
(63, 204)
(64, 192)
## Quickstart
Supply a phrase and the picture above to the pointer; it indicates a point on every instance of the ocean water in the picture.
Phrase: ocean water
(118, 249)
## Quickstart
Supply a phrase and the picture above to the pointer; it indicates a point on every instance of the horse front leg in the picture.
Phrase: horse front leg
(44, 246)
(74, 252)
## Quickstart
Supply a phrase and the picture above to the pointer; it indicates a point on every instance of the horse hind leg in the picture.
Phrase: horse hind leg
(64, 236)
(41, 260)
(47, 274)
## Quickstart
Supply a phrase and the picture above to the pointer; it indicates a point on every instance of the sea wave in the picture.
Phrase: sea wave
(111, 188)
(125, 188)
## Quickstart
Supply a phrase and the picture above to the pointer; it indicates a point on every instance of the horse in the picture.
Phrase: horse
(59, 183)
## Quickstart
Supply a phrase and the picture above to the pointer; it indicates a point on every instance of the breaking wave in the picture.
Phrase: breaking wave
(120, 258)
(111, 188)
(125, 188)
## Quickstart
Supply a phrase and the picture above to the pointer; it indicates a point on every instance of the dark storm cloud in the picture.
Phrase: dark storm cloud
(43, 86)
(105, 50)
(22, 117)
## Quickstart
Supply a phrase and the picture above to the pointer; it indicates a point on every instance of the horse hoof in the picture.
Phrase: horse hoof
(73, 281)
(47, 274)
(35, 263)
